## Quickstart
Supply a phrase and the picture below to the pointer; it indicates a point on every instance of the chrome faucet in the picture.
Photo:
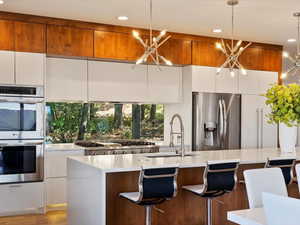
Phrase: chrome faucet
(181, 133)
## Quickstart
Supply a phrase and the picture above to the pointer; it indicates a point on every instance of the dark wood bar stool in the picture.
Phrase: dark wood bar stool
(156, 185)
(286, 165)
(220, 177)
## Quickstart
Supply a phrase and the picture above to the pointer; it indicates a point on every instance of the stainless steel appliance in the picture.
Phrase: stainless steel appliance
(216, 121)
(21, 112)
(21, 161)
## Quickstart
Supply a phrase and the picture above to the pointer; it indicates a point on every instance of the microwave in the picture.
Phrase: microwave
(21, 113)
(21, 161)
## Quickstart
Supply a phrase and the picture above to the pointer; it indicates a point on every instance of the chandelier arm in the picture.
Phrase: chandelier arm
(232, 24)
(292, 59)
(142, 42)
(164, 41)
(295, 71)
(154, 60)
(150, 23)
(290, 70)
(228, 46)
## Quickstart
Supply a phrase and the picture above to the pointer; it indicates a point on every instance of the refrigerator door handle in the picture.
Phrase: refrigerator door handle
(221, 121)
(258, 128)
(225, 121)
(261, 128)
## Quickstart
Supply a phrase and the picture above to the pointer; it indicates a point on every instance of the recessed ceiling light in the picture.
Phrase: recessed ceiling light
(217, 30)
(123, 18)
(1, 2)
(291, 40)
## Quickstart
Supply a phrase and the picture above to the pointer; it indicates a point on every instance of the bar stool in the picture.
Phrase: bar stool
(220, 177)
(156, 185)
(286, 165)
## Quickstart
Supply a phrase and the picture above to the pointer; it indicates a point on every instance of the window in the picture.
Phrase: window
(67, 122)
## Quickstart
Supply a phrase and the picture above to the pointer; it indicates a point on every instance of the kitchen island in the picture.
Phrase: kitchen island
(94, 183)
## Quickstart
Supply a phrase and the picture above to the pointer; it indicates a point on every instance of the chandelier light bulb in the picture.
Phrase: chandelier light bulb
(285, 54)
(283, 75)
(218, 71)
(239, 43)
(232, 73)
(218, 45)
(163, 33)
(244, 72)
(135, 34)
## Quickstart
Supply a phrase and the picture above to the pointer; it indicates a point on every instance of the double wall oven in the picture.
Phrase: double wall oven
(21, 134)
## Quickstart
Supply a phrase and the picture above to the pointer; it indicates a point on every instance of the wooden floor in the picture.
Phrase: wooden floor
(51, 218)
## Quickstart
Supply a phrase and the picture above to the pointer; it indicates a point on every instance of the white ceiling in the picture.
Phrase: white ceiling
(269, 21)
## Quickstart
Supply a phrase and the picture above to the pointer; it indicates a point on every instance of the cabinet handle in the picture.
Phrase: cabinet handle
(258, 128)
(262, 128)
(15, 186)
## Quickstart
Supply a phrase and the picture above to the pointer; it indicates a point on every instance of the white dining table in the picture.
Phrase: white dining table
(248, 216)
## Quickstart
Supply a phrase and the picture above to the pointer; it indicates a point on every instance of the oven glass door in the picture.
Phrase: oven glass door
(21, 118)
(21, 161)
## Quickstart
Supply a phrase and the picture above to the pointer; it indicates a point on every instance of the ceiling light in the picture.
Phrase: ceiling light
(217, 30)
(1, 2)
(295, 61)
(123, 18)
(292, 40)
(232, 51)
(151, 47)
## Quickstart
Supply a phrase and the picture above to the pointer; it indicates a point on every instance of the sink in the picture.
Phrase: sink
(168, 155)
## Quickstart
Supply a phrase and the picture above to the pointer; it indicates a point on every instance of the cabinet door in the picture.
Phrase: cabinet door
(66, 80)
(203, 78)
(249, 84)
(250, 121)
(225, 83)
(21, 197)
(7, 65)
(56, 191)
(266, 79)
(165, 85)
(108, 81)
(30, 68)
(269, 133)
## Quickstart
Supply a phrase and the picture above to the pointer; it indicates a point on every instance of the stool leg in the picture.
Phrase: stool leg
(209, 211)
(148, 215)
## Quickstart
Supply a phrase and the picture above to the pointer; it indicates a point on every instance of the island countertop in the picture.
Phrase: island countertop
(131, 162)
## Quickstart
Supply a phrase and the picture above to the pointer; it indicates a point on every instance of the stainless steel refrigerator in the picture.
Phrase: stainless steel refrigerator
(216, 121)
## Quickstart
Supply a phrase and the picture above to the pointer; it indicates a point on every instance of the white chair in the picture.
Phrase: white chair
(298, 175)
(263, 180)
(281, 210)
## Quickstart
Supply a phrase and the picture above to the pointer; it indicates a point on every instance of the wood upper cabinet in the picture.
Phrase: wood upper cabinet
(66, 80)
(70, 41)
(30, 37)
(118, 46)
(30, 68)
(7, 40)
(109, 81)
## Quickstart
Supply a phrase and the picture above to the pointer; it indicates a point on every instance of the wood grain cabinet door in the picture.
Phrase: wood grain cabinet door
(7, 35)
(70, 41)
(30, 37)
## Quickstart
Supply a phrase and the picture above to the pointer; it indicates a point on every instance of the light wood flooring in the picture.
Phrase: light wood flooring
(51, 218)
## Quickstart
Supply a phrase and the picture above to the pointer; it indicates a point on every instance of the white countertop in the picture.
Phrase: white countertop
(129, 162)
(248, 217)
(63, 147)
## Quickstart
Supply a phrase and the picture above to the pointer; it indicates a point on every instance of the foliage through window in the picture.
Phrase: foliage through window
(68, 122)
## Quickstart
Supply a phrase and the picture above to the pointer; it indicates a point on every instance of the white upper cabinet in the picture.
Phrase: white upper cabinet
(66, 80)
(225, 83)
(110, 81)
(203, 78)
(7, 67)
(256, 82)
(165, 85)
(30, 68)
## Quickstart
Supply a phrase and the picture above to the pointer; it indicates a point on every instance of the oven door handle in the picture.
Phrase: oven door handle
(21, 144)
(33, 101)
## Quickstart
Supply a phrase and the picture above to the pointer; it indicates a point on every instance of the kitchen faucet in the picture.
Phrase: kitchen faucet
(181, 133)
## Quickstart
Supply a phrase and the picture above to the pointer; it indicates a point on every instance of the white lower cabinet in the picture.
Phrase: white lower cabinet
(56, 190)
(256, 131)
(20, 198)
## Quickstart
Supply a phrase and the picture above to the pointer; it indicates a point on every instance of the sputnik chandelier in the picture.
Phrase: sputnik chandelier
(232, 52)
(294, 60)
(151, 47)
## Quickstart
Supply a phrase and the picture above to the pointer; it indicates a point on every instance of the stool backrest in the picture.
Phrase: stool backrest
(263, 180)
(158, 183)
(286, 165)
(298, 175)
(220, 177)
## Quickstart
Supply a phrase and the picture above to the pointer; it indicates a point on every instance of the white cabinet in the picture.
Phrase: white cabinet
(7, 67)
(30, 68)
(203, 78)
(66, 80)
(256, 82)
(109, 81)
(256, 131)
(226, 83)
(165, 84)
(56, 189)
(18, 198)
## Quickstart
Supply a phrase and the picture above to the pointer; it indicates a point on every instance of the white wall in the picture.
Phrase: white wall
(184, 109)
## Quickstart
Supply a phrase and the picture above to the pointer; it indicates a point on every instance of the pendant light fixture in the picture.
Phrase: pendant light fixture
(232, 52)
(151, 47)
(294, 60)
